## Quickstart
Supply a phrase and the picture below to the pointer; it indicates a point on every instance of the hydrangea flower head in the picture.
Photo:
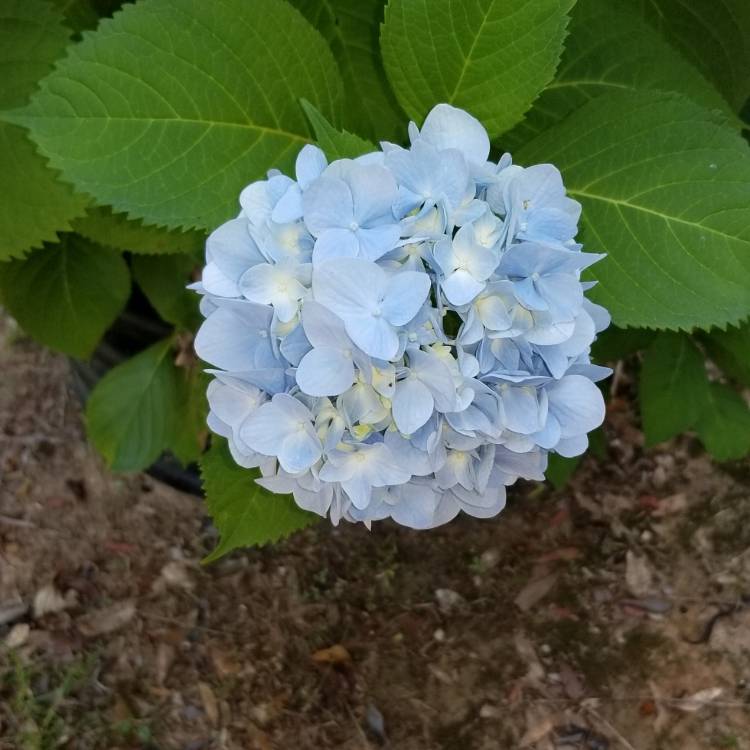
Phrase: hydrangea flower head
(403, 334)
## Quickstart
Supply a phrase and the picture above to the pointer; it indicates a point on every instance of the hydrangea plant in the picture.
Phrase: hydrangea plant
(405, 333)
(128, 129)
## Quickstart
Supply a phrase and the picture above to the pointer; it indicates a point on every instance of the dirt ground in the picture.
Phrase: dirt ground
(611, 614)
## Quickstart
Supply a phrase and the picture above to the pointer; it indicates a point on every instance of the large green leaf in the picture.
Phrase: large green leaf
(79, 14)
(163, 280)
(490, 57)
(724, 423)
(351, 29)
(170, 108)
(730, 349)
(244, 513)
(66, 295)
(35, 206)
(610, 48)
(116, 230)
(673, 387)
(336, 144)
(712, 34)
(132, 412)
(665, 190)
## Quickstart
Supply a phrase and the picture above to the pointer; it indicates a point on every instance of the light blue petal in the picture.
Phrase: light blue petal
(373, 335)
(348, 286)
(311, 162)
(374, 242)
(300, 450)
(289, 206)
(325, 371)
(449, 127)
(412, 405)
(335, 243)
(405, 294)
(461, 287)
(374, 192)
(327, 205)
(578, 405)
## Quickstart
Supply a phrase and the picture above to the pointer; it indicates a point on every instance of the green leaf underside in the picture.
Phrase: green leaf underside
(336, 144)
(169, 109)
(672, 388)
(610, 48)
(730, 350)
(116, 230)
(190, 431)
(490, 57)
(132, 412)
(35, 206)
(66, 295)
(665, 190)
(712, 34)
(724, 423)
(244, 513)
(163, 280)
(351, 29)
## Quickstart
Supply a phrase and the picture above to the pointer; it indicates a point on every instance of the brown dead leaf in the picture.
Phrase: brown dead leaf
(210, 704)
(107, 620)
(538, 727)
(335, 654)
(535, 591)
(165, 653)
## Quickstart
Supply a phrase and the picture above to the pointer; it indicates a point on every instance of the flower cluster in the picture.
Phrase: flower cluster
(405, 333)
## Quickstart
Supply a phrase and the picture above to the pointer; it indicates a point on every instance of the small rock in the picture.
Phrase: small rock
(638, 575)
(439, 635)
(375, 721)
(489, 559)
(47, 601)
(448, 599)
(488, 711)
(335, 654)
(18, 635)
(175, 575)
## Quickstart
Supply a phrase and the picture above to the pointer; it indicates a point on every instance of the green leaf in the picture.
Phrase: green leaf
(673, 387)
(351, 29)
(189, 437)
(724, 423)
(618, 343)
(490, 57)
(610, 48)
(712, 34)
(116, 230)
(664, 188)
(35, 206)
(131, 414)
(561, 469)
(79, 14)
(336, 144)
(163, 280)
(170, 108)
(66, 296)
(244, 513)
(730, 350)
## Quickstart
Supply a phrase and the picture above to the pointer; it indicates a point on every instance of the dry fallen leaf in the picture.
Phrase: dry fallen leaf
(210, 705)
(336, 654)
(700, 699)
(535, 591)
(106, 620)
(538, 727)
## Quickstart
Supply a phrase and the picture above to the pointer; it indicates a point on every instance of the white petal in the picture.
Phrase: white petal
(449, 127)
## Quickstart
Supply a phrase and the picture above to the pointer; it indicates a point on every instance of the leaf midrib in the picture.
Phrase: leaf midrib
(24, 118)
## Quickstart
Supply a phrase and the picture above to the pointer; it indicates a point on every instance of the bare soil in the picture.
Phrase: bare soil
(612, 614)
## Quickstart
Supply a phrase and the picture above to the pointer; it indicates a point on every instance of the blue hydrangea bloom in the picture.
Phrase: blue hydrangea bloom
(405, 334)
